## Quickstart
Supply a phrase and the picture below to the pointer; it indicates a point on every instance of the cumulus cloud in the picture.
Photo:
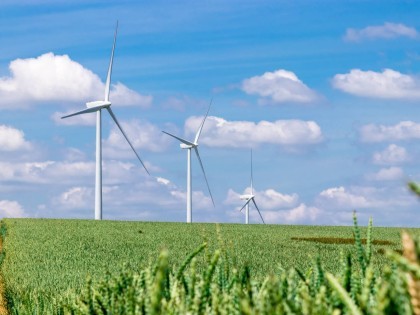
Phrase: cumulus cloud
(302, 214)
(279, 86)
(75, 198)
(341, 197)
(387, 174)
(393, 154)
(200, 200)
(142, 134)
(218, 132)
(12, 139)
(275, 207)
(123, 96)
(73, 154)
(46, 171)
(363, 197)
(50, 77)
(404, 130)
(386, 31)
(147, 198)
(11, 209)
(388, 84)
(267, 199)
(79, 120)
(70, 172)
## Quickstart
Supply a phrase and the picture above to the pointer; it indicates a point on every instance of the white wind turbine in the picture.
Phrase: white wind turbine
(249, 198)
(185, 144)
(97, 106)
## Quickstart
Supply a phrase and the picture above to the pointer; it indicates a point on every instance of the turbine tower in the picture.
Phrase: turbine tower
(188, 145)
(248, 198)
(97, 107)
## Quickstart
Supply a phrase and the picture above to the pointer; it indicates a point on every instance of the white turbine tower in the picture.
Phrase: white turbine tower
(249, 198)
(97, 106)
(185, 144)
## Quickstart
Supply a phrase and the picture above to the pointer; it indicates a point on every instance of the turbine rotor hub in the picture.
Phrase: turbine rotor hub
(102, 104)
(246, 197)
(187, 146)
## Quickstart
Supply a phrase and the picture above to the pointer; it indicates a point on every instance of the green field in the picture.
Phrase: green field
(48, 259)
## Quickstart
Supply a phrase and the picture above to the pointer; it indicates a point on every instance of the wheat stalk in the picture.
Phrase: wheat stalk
(409, 252)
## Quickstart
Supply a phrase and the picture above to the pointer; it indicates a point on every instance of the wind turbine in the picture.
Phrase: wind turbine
(188, 145)
(249, 198)
(97, 107)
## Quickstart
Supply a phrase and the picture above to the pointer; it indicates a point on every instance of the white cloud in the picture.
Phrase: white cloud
(75, 198)
(73, 154)
(404, 130)
(302, 214)
(393, 154)
(341, 197)
(386, 31)
(12, 139)
(388, 84)
(52, 77)
(163, 181)
(387, 174)
(142, 134)
(200, 200)
(279, 86)
(147, 198)
(267, 199)
(46, 172)
(123, 96)
(363, 197)
(79, 120)
(11, 209)
(218, 132)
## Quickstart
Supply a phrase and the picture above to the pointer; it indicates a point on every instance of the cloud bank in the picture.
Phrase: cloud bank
(218, 132)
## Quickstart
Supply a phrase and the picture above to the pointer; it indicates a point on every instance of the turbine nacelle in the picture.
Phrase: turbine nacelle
(98, 104)
(188, 146)
(246, 197)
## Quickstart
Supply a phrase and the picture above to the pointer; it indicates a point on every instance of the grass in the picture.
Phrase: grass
(49, 259)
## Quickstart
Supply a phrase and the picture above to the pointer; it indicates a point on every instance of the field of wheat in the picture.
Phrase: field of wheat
(48, 261)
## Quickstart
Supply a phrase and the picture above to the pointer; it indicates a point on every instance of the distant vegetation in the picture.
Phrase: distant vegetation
(86, 267)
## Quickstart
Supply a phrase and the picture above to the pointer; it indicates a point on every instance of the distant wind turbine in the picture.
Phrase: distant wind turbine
(249, 198)
(185, 144)
(97, 106)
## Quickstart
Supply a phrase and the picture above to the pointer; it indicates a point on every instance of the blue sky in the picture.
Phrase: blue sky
(326, 93)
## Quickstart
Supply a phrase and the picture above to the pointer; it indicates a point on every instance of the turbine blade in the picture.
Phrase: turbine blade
(126, 138)
(180, 139)
(205, 177)
(255, 204)
(108, 77)
(202, 124)
(245, 205)
(84, 111)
